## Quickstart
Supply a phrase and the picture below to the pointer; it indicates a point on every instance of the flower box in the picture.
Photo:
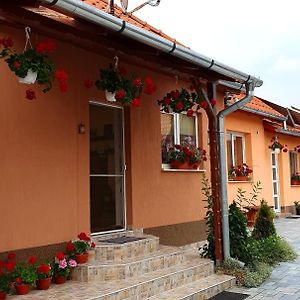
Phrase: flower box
(241, 178)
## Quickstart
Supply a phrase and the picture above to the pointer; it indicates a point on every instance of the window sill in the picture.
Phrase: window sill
(183, 170)
(295, 185)
(239, 181)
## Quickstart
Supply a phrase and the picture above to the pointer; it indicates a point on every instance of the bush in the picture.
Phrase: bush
(257, 275)
(264, 226)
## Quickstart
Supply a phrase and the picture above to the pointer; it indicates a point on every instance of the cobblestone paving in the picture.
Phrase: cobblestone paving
(284, 283)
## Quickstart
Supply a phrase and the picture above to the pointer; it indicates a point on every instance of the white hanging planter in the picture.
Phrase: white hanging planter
(110, 96)
(277, 150)
(30, 78)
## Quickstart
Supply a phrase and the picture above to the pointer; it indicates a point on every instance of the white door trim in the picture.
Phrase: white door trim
(275, 182)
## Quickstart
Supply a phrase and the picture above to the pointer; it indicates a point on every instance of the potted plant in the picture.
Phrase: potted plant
(295, 179)
(119, 87)
(24, 276)
(79, 248)
(62, 267)
(44, 276)
(276, 146)
(240, 173)
(297, 207)
(185, 157)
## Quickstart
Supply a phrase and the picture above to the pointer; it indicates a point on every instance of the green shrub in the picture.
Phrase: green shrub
(264, 226)
(237, 231)
(257, 275)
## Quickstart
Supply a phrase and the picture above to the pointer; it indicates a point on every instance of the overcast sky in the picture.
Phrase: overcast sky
(261, 39)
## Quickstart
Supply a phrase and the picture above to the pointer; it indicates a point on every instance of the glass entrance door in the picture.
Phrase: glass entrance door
(275, 181)
(106, 168)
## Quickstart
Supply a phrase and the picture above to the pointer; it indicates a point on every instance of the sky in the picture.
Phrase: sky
(258, 37)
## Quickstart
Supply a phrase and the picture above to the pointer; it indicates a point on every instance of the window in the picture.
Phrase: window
(177, 129)
(294, 163)
(235, 149)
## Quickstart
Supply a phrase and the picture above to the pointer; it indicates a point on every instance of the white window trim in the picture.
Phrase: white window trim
(236, 134)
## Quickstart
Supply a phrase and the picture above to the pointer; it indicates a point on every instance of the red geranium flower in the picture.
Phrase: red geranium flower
(213, 102)
(16, 64)
(7, 42)
(120, 94)
(137, 82)
(149, 86)
(45, 46)
(178, 147)
(44, 269)
(82, 236)
(60, 255)
(32, 260)
(30, 94)
(179, 106)
(88, 83)
(175, 94)
(2, 264)
(190, 113)
(93, 245)
(61, 75)
(167, 101)
(70, 247)
(11, 255)
(136, 102)
(10, 266)
(18, 280)
(204, 104)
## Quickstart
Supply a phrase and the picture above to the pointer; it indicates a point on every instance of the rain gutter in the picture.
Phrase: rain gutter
(82, 10)
(288, 132)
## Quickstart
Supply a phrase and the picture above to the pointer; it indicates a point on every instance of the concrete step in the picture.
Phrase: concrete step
(105, 251)
(201, 289)
(164, 257)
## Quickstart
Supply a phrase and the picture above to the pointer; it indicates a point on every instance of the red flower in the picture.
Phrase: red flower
(30, 94)
(60, 255)
(178, 147)
(213, 102)
(175, 94)
(82, 236)
(44, 269)
(61, 75)
(88, 83)
(122, 70)
(45, 46)
(11, 255)
(179, 106)
(204, 158)
(10, 266)
(167, 101)
(16, 64)
(285, 150)
(204, 104)
(190, 113)
(7, 42)
(18, 280)
(70, 247)
(2, 264)
(136, 102)
(63, 86)
(149, 86)
(32, 260)
(93, 245)
(137, 82)
(120, 94)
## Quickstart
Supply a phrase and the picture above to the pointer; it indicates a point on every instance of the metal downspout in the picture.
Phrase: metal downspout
(250, 86)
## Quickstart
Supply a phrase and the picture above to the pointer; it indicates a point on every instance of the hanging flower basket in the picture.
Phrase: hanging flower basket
(119, 87)
(276, 146)
(30, 78)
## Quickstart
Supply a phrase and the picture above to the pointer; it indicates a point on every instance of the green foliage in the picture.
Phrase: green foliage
(257, 275)
(59, 271)
(297, 203)
(237, 231)
(264, 226)
(252, 200)
(80, 246)
(209, 249)
(26, 272)
(4, 282)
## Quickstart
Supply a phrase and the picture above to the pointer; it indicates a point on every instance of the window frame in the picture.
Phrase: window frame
(296, 160)
(241, 135)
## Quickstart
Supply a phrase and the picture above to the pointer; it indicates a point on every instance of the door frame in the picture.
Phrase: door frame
(278, 210)
(96, 103)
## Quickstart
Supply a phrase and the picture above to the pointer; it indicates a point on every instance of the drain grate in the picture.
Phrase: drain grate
(122, 240)
(229, 296)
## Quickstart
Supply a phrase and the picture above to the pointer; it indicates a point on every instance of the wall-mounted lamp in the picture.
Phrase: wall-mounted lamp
(81, 128)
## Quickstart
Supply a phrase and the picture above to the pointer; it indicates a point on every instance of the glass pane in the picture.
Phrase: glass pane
(273, 159)
(275, 188)
(167, 134)
(107, 203)
(276, 204)
(274, 174)
(238, 150)
(229, 151)
(106, 144)
(293, 163)
(187, 130)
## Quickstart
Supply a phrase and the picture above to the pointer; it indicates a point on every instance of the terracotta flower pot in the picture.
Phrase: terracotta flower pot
(2, 295)
(22, 289)
(295, 182)
(251, 215)
(81, 258)
(175, 164)
(241, 178)
(59, 279)
(43, 284)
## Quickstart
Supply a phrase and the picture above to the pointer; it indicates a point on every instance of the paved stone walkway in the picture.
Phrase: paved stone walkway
(284, 283)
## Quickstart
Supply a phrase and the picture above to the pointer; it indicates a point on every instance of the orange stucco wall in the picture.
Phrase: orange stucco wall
(258, 156)
(44, 187)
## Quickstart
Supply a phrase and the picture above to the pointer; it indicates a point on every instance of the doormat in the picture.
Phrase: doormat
(229, 296)
(122, 240)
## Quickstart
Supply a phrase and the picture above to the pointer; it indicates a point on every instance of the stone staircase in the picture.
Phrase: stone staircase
(144, 269)
(140, 269)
